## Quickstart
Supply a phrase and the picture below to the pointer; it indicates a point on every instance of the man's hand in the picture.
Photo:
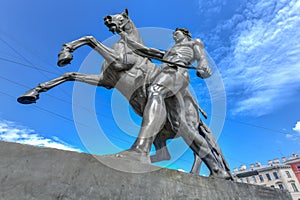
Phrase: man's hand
(203, 72)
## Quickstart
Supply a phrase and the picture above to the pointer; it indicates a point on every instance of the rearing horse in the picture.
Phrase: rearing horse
(132, 74)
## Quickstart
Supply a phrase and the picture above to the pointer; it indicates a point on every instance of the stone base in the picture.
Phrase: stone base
(28, 172)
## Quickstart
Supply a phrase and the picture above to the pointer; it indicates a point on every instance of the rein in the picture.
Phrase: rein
(122, 28)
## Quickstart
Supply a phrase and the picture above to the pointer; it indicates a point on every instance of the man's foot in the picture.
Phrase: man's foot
(29, 97)
(131, 154)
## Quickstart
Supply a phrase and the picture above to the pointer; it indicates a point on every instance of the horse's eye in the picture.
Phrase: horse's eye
(120, 18)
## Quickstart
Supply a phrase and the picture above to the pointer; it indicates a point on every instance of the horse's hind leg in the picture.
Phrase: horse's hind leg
(196, 165)
(207, 134)
(31, 96)
(199, 143)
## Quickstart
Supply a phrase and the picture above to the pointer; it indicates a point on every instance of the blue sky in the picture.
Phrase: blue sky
(255, 45)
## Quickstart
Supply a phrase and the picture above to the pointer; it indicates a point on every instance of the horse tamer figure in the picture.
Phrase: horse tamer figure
(158, 94)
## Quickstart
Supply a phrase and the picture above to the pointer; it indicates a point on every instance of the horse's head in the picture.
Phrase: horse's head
(118, 22)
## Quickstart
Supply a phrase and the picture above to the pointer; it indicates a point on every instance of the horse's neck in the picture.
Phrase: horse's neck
(133, 33)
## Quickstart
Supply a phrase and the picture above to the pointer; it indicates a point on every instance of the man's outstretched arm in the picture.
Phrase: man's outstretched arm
(141, 49)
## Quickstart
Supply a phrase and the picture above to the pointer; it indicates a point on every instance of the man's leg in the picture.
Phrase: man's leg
(168, 83)
(154, 118)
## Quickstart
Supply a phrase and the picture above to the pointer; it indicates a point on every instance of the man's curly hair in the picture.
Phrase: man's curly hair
(185, 32)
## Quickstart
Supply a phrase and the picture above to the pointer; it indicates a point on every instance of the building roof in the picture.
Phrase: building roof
(292, 160)
(256, 169)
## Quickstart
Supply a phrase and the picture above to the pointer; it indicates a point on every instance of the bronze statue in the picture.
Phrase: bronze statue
(159, 94)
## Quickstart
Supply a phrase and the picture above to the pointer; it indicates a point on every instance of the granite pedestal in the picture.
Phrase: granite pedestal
(29, 173)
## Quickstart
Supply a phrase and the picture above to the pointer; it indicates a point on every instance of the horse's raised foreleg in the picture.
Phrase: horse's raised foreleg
(109, 54)
(31, 96)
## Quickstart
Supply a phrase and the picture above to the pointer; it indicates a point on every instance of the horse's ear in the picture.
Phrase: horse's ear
(126, 11)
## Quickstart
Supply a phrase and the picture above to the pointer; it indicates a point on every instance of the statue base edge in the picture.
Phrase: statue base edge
(29, 172)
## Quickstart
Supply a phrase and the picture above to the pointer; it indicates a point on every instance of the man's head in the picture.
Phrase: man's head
(181, 32)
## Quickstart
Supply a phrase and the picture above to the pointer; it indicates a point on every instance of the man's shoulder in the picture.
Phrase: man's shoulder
(198, 42)
(193, 43)
(190, 43)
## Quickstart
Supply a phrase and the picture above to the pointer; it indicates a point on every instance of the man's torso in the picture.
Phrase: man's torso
(182, 53)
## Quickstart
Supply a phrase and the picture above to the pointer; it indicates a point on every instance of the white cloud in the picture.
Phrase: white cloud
(294, 136)
(11, 132)
(297, 127)
(259, 55)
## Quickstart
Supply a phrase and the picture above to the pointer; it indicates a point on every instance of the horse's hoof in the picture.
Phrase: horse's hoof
(64, 58)
(29, 97)
(222, 174)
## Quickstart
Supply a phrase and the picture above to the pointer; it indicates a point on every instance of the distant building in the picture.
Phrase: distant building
(275, 174)
(294, 162)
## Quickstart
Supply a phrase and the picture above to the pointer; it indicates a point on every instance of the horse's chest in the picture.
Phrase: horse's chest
(129, 82)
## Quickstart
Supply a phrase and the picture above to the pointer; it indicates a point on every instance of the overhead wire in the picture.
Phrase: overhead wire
(251, 125)
(65, 118)
(60, 99)
(5, 35)
(26, 60)
(21, 56)
(28, 66)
